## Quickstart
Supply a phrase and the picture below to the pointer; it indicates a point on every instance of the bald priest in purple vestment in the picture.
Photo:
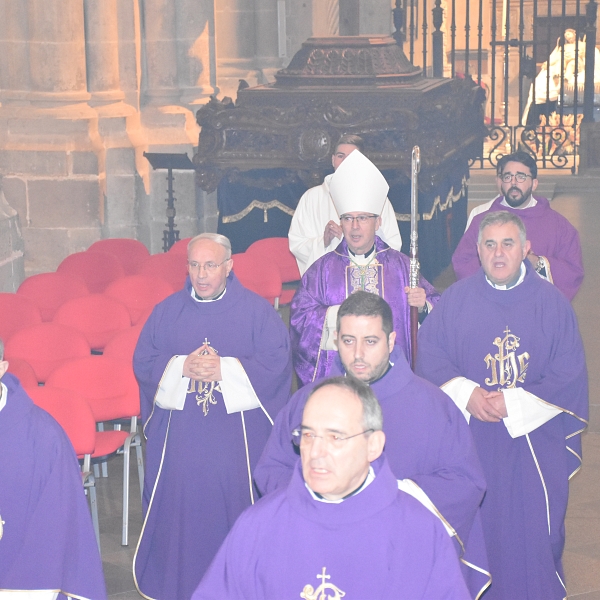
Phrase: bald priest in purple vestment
(361, 262)
(428, 443)
(555, 252)
(48, 549)
(505, 345)
(214, 366)
(341, 528)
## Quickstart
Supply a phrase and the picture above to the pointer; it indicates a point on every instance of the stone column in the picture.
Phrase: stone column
(267, 40)
(102, 51)
(14, 51)
(196, 59)
(159, 79)
(56, 52)
(236, 44)
(365, 17)
(326, 18)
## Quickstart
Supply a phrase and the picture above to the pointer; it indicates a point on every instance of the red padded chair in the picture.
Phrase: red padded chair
(111, 390)
(180, 247)
(131, 253)
(277, 251)
(258, 276)
(46, 346)
(75, 416)
(170, 266)
(16, 312)
(51, 290)
(24, 372)
(122, 346)
(97, 269)
(97, 316)
(139, 293)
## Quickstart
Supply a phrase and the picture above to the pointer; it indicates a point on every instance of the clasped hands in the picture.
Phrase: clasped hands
(203, 364)
(487, 406)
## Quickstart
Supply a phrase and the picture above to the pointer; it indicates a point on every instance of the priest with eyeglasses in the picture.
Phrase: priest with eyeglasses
(362, 261)
(555, 252)
(214, 367)
(342, 527)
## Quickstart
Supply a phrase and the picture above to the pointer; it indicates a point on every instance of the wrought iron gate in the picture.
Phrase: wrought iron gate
(536, 60)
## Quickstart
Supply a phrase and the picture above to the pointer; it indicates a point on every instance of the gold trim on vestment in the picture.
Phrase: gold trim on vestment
(265, 206)
(162, 459)
(451, 198)
(320, 344)
(548, 270)
(537, 464)
(441, 517)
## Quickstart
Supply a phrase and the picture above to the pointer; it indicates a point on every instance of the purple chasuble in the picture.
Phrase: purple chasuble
(427, 440)
(329, 281)
(47, 541)
(525, 337)
(378, 544)
(550, 234)
(197, 481)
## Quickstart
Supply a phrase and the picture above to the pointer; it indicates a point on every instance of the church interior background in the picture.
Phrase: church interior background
(86, 88)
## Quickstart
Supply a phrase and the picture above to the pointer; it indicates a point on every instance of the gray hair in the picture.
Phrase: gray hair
(372, 415)
(502, 217)
(215, 237)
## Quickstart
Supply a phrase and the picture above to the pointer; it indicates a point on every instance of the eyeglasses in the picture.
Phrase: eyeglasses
(361, 219)
(519, 177)
(209, 267)
(333, 440)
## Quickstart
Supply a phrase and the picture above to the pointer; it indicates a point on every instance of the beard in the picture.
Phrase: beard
(520, 198)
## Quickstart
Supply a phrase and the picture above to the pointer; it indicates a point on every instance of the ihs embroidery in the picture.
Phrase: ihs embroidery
(205, 396)
(507, 368)
(308, 593)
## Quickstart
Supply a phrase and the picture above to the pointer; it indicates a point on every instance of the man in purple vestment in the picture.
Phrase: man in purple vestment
(555, 251)
(505, 345)
(214, 367)
(48, 549)
(341, 527)
(361, 262)
(427, 439)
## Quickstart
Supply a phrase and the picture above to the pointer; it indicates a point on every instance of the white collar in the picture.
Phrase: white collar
(370, 478)
(4, 392)
(196, 299)
(519, 281)
(532, 202)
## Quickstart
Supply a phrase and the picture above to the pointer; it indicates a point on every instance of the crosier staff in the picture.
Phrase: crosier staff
(414, 248)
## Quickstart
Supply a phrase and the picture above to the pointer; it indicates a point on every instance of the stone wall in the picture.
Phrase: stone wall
(86, 87)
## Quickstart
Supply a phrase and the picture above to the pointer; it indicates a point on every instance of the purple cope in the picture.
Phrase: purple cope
(328, 282)
(550, 234)
(525, 337)
(47, 541)
(379, 544)
(427, 440)
(197, 480)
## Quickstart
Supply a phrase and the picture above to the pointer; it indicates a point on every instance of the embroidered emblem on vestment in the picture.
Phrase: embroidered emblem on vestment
(321, 593)
(204, 389)
(506, 366)
(367, 278)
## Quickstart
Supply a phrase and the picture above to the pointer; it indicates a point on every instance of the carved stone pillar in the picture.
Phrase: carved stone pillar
(365, 17)
(267, 43)
(160, 51)
(56, 52)
(236, 44)
(102, 51)
(196, 59)
(14, 51)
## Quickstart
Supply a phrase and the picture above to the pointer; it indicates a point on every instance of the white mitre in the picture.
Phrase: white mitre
(358, 186)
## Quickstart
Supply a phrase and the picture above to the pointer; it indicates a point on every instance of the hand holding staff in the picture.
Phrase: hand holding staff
(414, 249)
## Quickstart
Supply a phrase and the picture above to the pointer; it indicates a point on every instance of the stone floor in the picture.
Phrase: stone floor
(578, 199)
